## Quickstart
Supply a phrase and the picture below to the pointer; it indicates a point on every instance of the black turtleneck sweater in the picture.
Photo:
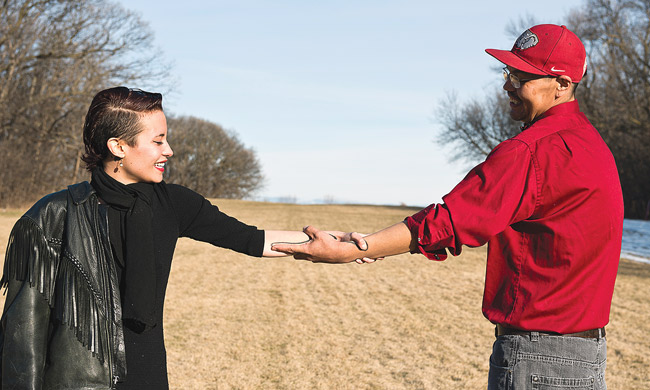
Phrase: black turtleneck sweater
(187, 214)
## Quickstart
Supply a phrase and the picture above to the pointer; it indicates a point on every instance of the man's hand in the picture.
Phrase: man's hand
(323, 246)
(359, 240)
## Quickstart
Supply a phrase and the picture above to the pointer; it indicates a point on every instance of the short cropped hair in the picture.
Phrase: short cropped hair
(115, 113)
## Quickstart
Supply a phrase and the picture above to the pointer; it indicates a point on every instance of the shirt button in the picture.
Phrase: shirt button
(535, 379)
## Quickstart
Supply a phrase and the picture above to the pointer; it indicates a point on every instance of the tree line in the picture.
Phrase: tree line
(55, 55)
(615, 96)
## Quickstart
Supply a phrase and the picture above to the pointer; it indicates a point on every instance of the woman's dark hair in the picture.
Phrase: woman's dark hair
(115, 113)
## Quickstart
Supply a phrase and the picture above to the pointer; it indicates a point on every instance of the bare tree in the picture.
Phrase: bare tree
(211, 160)
(477, 127)
(616, 94)
(54, 56)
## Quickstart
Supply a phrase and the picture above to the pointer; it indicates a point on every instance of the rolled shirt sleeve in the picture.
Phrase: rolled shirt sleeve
(494, 195)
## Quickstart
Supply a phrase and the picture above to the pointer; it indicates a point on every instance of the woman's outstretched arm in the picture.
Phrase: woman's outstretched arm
(284, 236)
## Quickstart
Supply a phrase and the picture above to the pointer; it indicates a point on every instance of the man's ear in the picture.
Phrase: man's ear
(565, 85)
(115, 147)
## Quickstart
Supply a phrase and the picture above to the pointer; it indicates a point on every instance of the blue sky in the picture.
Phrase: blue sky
(337, 98)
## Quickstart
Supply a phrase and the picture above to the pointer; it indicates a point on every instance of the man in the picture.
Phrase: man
(548, 202)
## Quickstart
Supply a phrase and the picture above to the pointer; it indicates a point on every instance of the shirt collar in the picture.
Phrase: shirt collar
(563, 108)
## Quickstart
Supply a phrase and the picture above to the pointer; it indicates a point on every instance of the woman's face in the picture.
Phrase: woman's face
(146, 160)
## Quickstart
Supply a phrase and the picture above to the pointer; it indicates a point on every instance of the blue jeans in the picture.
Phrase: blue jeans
(547, 362)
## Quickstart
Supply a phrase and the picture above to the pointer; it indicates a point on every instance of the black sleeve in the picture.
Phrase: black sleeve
(202, 221)
(26, 318)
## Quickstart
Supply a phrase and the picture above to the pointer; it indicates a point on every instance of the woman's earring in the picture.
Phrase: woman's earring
(118, 165)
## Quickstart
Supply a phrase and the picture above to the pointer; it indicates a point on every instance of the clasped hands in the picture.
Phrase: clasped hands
(327, 247)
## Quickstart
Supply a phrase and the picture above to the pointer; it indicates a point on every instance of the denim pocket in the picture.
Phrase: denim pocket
(540, 382)
(499, 377)
(502, 363)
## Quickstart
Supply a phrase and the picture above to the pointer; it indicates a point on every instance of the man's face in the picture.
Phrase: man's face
(532, 98)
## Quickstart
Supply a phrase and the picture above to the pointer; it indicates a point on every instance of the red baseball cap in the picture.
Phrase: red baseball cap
(546, 49)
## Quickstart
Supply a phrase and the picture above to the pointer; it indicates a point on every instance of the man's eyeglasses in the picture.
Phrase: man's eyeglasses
(515, 80)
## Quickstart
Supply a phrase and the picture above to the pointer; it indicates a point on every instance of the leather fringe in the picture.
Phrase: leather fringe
(62, 282)
(31, 258)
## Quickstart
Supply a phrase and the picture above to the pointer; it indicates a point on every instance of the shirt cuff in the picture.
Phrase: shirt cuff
(256, 244)
(416, 224)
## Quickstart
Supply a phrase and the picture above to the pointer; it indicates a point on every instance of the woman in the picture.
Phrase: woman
(86, 268)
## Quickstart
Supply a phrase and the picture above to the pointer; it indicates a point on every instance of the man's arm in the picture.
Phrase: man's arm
(324, 247)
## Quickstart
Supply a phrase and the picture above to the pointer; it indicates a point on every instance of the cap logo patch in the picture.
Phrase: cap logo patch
(526, 40)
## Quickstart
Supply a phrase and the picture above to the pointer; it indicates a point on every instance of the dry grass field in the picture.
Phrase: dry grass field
(235, 322)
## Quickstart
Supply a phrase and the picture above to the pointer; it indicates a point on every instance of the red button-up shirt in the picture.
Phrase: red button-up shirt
(549, 204)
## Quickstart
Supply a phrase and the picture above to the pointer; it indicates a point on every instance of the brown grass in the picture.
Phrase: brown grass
(235, 322)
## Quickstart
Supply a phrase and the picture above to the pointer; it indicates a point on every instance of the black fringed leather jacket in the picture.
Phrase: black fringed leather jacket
(61, 325)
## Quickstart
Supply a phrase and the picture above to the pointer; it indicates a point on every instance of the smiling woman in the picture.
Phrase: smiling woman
(86, 268)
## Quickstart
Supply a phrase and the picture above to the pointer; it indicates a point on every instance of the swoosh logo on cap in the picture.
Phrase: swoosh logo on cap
(557, 70)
